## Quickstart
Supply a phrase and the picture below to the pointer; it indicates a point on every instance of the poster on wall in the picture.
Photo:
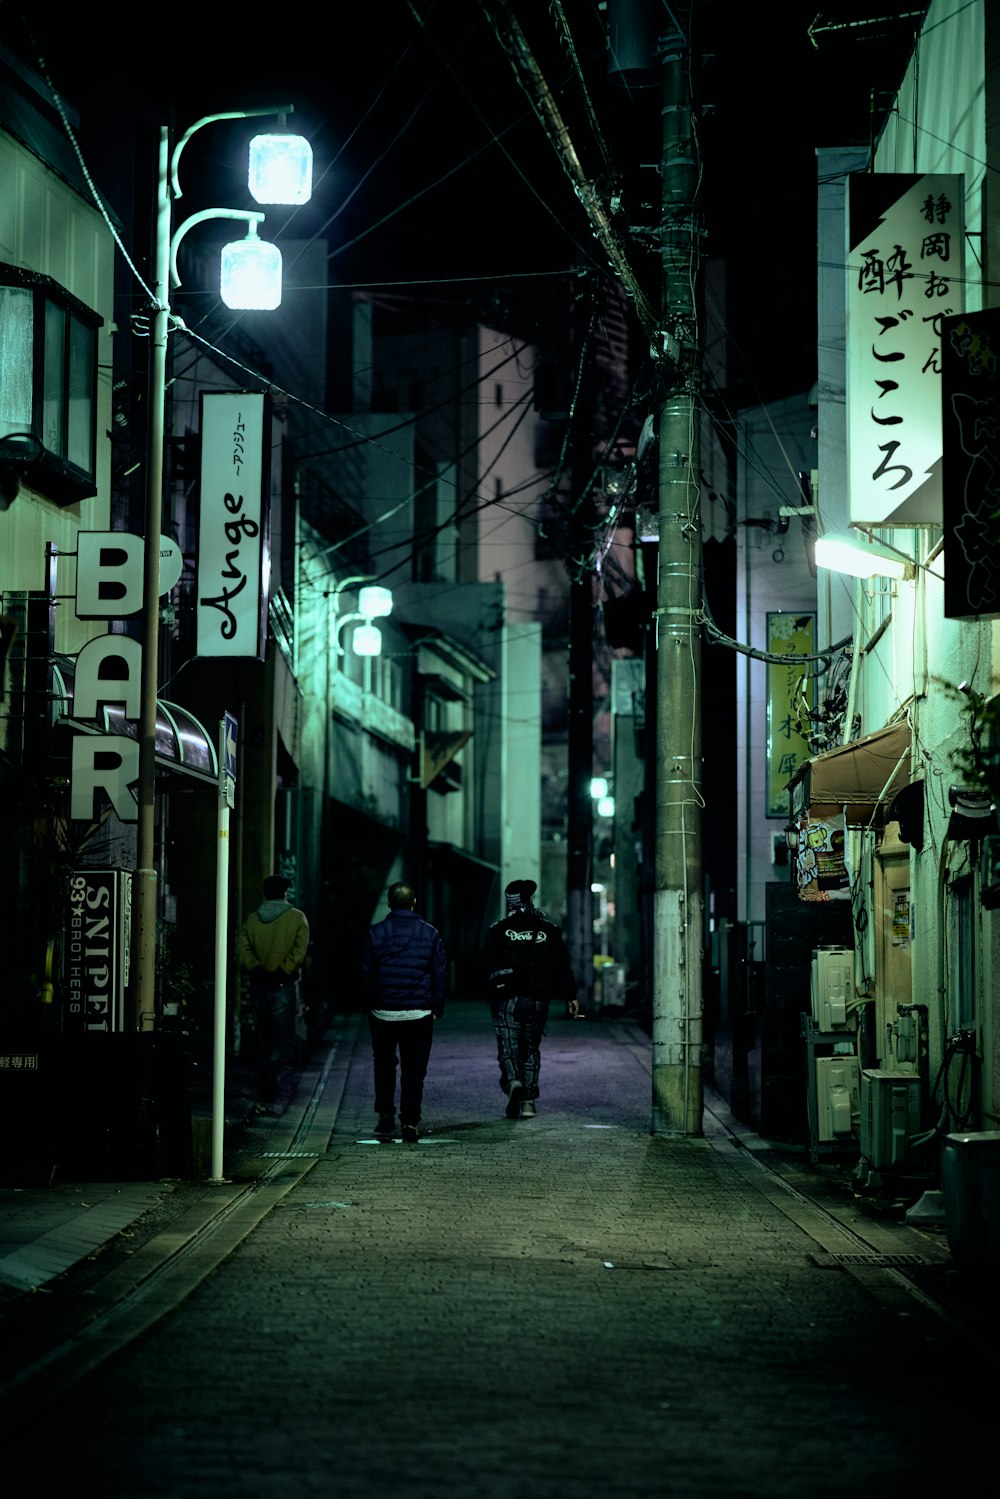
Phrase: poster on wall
(970, 414)
(905, 274)
(233, 561)
(900, 931)
(821, 872)
(791, 693)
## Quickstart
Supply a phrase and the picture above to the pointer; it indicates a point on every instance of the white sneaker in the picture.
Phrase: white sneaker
(528, 1110)
(514, 1099)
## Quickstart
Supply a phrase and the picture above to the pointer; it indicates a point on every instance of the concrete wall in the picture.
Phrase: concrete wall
(47, 227)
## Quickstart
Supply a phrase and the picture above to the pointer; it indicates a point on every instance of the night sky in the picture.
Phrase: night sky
(430, 165)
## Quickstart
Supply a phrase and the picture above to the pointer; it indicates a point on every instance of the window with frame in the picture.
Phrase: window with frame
(386, 681)
(48, 381)
(436, 714)
(380, 675)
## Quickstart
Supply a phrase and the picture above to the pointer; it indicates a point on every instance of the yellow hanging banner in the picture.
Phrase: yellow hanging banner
(791, 694)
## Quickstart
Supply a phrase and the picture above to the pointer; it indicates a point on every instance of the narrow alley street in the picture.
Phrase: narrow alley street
(554, 1307)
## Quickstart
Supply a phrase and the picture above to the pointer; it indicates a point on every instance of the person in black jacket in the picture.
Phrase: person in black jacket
(526, 965)
(404, 981)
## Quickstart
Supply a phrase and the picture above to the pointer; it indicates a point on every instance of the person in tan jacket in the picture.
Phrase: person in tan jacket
(272, 945)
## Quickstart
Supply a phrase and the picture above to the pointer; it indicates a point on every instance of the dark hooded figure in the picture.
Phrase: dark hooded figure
(526, 965)
(273, 942)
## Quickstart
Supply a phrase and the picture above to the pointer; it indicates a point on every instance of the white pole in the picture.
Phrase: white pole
(221, 964)
(144, 896)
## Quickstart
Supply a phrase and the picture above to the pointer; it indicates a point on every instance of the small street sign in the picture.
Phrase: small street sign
(229, 731)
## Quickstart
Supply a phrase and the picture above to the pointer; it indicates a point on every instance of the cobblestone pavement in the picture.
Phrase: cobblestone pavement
(551, 1308)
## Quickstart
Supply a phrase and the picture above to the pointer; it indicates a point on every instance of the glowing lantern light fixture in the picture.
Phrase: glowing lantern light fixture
(375, 602)
(280, 169)
(251, 273)
(367, 640)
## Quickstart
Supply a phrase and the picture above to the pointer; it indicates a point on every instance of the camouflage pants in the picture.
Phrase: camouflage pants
(520, 1024)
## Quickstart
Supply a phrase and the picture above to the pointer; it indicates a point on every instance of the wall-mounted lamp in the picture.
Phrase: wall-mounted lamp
(843, 552)
(18, 451)
(973, 815)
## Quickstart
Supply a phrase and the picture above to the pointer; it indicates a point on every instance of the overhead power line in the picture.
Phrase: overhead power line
(496, 137)
(531, 79)
(566, 37)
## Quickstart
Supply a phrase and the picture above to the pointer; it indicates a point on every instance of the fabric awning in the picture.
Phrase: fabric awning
(855, 777)
(182, 743)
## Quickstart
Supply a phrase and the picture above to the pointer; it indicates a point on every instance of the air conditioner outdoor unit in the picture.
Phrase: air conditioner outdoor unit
(970, 1181)
(831, 986)
(836, 1097)
(890, 1116)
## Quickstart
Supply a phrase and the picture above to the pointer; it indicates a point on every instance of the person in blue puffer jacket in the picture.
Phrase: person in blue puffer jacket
(404, 983)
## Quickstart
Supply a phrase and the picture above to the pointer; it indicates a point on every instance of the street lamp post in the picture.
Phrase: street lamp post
(261, 182)
(144, 895)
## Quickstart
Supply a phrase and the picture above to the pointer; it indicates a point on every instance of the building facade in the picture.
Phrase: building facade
(871, 891)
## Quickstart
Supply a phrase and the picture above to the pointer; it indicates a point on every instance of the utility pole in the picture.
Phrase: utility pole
(677, 893)
(677, 896)
(579, 770)
(580, 726)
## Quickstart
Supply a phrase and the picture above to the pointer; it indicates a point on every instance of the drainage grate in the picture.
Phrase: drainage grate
(884, 1261)
(289, 1155)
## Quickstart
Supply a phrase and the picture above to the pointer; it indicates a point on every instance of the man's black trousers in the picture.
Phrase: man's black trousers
(411, 1040)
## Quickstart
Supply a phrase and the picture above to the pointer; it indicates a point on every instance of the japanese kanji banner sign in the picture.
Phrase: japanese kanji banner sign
(905, 273)
(791, 693)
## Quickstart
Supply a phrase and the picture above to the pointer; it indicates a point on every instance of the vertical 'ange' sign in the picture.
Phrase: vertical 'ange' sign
(231, 598)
